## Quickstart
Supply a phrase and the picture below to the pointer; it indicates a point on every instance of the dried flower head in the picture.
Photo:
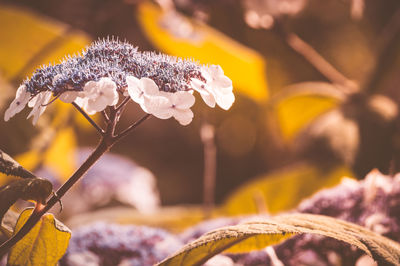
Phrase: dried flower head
(108, 69)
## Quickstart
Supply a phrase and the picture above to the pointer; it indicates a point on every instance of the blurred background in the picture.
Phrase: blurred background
(316, 86)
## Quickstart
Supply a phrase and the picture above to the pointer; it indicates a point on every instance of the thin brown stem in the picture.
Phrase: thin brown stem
(123, 104)
(105, 116)
(89, 119)
(314, 58)
(387, 47)
(107, 141)
(131, 128)
(210, 165)
(103, 146)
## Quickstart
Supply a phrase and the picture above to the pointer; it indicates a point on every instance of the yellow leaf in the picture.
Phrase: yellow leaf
(262, 233)
(45, 244)
(61, 155)
(282, 190)
(25, 34)
(297, 105)
(244, 66)
(174, 218)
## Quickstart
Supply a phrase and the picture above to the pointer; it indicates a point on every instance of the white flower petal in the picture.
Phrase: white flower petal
(182, 99)
(158, 106)
(184, 117)
(135, 90)
(69, 96)
(149, 87)
(21, 99)
(203, 89)
(97, 95)
(219, 85)
(41, 101)
(225, 101)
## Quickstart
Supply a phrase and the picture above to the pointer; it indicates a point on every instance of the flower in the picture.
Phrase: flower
(97, 95)
(168, 105)
(217, 89)
(162, 85)
(141, 89)
(161, 104)
(39, 104)
(21, 99)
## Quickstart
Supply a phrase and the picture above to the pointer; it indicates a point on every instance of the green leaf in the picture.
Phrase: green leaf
(9, 166)
(44, 245)
(256, 235)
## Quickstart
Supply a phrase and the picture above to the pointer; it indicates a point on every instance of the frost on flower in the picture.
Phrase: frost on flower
(109, 70)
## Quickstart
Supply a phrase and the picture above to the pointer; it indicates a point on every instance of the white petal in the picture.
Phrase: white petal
(149, 87)
(203, 89)
(225, 101)
(184, 117)
(21, 99)
(98, 95)
(223, 82)
(90, 89)
(69, 96)
(158, 106)
(134, 89)
(182, 99)
(42, 99)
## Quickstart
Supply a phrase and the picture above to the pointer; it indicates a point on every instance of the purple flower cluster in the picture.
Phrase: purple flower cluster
(373, 203)
(116, 60)
(113, 244)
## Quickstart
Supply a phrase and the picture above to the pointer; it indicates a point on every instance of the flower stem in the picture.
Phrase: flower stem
(314, 58)
(210, 166)
(131, 127)
(107, 141)
(89, 119)
(102, 147)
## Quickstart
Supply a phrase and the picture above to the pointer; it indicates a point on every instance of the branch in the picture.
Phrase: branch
(103, 146)
(107, 141)
(387, 46)
(207, 135)
(131, 128)
(314, 58)
(88, 118)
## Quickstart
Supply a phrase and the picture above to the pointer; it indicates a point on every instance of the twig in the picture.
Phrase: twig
(35, 217)
(107, 141)
(387, 45)
(314, 58)
(88, 118)
(123, 103)
(210, 165)
(105, 116)
(131, 127)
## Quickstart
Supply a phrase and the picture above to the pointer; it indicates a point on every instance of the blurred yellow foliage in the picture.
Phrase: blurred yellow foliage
(294, 113)
(59, 157)
(282, 190)
(244, 66)
(24, 35)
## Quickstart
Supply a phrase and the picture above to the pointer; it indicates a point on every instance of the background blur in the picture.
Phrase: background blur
(316, 86)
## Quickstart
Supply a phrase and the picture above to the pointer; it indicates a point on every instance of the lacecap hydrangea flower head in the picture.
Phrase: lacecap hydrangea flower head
(110, 71)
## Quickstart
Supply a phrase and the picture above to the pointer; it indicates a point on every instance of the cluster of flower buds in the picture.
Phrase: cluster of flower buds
(107, 70)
